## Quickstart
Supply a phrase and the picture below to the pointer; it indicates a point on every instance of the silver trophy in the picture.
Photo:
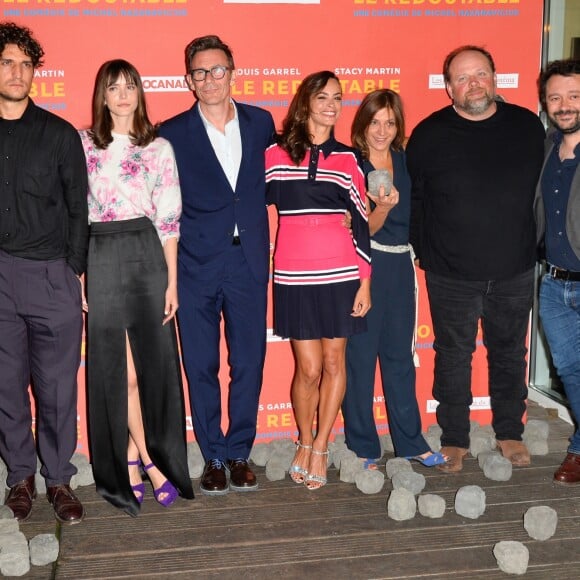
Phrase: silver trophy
(377, 178)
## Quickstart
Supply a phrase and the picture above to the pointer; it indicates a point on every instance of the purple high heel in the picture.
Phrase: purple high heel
(140, 487)
(167, 488)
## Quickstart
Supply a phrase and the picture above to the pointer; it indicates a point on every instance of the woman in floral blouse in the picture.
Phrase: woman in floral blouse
(135, 396)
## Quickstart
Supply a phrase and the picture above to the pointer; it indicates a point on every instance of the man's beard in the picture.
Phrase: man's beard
(476, 107)
(569, 129)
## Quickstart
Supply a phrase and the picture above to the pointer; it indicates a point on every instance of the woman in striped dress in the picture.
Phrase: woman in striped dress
(321, 269)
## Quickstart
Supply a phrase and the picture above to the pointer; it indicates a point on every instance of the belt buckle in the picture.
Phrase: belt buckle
(558, 273)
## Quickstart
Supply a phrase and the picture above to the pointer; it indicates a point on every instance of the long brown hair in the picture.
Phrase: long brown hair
(295, 138)
(370, 106)
(143, 131)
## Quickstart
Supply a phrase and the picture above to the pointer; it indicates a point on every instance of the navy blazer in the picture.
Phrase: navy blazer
(211, 208)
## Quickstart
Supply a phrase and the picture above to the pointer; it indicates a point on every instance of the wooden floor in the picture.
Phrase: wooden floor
(286, 531)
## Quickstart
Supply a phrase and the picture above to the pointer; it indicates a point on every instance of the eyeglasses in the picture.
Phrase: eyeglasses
(217, 72)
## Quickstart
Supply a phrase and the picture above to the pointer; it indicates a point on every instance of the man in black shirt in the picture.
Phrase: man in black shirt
(474, 166)
(43, 245)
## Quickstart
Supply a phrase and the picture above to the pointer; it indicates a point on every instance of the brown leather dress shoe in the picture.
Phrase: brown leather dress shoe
(242, 478)
(20, 498)
(214, 480)
(569, 472)
(67, 507)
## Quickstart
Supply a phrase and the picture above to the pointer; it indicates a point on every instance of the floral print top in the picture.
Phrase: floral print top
(127, 182)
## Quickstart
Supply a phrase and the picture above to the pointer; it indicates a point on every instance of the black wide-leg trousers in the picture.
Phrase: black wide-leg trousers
(126, 284)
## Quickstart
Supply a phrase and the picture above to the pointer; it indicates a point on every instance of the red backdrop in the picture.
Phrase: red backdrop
(397, 44)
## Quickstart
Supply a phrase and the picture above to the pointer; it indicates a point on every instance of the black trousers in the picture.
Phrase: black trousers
(504, 309)
(40, 338)
(126, 283)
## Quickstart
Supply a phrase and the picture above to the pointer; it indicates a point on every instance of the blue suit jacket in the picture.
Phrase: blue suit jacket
(211, 208)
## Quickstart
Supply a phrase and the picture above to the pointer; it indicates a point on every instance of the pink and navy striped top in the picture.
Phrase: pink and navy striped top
(312, 245)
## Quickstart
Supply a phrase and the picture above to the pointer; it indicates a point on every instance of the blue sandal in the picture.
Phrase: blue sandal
(433, 459)
(370, 464)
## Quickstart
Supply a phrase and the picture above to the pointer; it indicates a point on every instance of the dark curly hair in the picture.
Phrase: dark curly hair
(11, 33)
(566, 68)
(295, 138)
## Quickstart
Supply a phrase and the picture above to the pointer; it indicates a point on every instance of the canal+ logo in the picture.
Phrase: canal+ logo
(164, 84)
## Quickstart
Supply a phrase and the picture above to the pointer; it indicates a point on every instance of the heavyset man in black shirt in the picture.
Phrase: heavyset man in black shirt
(474, 166)
(43, 245)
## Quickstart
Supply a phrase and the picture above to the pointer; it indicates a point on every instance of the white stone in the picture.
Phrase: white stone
(431, 505)
(386, 443)
(470, 501)
(537, 429)
(540, 522)
(481, 441)
(14, 555)
(281, 445)
(334, 452)
(512, 557)
(9, 525)
(343, 455)
(369, 481)
(84, 475)
(397, 464)
(536, 446)
(401, 505)
(40, 483)
(275, 469)
(433, 440)
(285, 458)
(43, 549)
(195, 460)
(260, 454)
(379, 177)
(485, 454)
(414, 482)
(434, 430)
(349, 467)
(497, 468)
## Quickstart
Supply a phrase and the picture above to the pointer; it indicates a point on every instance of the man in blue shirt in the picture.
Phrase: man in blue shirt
(557, 209)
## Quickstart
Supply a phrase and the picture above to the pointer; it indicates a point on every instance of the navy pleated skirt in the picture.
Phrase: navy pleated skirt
(316, 311)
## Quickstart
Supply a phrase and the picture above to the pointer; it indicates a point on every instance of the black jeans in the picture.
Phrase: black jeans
(504, 308)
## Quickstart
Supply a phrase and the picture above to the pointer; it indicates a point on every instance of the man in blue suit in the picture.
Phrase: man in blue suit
(223, 262)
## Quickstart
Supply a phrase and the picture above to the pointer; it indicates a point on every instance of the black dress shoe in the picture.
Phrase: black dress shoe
(214, 480)
(569, 472)
(20, 498)
(67, 507)
(242, 478)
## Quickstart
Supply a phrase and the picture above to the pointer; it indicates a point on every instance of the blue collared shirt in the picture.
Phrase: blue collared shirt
(556, 183)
